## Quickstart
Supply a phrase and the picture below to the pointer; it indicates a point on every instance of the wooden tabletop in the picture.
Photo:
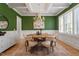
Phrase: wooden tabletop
(44, 35)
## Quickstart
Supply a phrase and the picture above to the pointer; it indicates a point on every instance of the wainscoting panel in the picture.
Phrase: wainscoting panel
(72, 40)
(8, 40)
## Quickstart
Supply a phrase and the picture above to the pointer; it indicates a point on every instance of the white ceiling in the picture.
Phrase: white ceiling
(44, 9)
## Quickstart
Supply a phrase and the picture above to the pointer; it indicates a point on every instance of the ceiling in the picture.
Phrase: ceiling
(44, 9)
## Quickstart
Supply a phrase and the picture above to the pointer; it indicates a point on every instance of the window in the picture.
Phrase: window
(76, 20)
(68, 22)
(61, 24)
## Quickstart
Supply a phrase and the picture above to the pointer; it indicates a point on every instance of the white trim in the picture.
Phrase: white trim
(29, 7)
(50, 6)
(19, 25)
(16, 11)
(60, 11)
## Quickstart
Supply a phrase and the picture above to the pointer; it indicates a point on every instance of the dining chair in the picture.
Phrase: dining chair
(50, 43)
(29, 42)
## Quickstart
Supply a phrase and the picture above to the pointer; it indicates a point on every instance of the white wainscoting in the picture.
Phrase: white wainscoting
(72, 40)
(26, 32)
(8, 40)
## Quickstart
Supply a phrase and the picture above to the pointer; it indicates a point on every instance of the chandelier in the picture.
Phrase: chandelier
(38, 22)
(39, 17)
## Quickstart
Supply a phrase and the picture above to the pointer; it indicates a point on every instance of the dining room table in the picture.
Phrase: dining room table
(41, 38)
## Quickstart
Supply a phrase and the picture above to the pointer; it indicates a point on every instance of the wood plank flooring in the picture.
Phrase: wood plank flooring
(61, 49)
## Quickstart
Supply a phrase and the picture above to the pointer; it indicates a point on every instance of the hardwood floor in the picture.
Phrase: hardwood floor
(61, 49)
(72, 51)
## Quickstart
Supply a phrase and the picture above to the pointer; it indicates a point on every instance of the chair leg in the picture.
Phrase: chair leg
(51, 45)
(48, 50)
(26, 45)
(55, 43)
(52, 48)
(26, 49)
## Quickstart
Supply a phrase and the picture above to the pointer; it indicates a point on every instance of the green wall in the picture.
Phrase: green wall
(10, 15)
(51, 23)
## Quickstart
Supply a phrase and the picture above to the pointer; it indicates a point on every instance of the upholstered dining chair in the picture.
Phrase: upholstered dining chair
(29, 42)
(50, 43)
